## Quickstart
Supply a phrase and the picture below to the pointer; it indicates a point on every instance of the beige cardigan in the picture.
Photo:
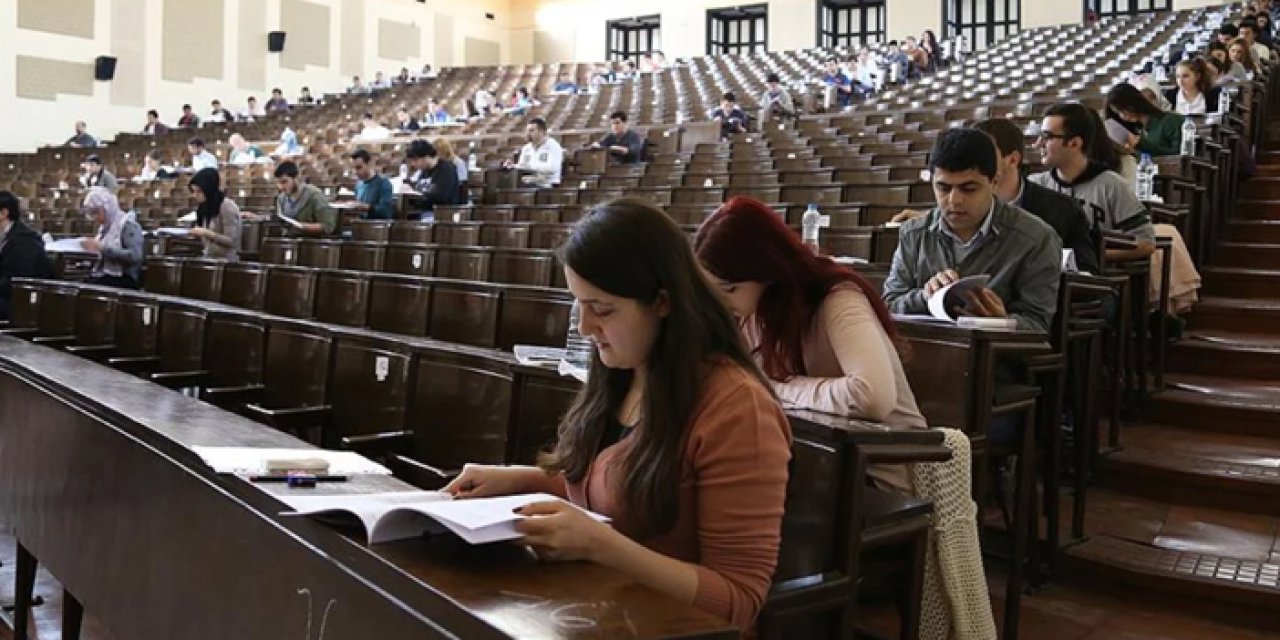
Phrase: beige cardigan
(225, 243)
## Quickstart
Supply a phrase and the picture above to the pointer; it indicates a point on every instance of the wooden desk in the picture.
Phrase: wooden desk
(97, 480)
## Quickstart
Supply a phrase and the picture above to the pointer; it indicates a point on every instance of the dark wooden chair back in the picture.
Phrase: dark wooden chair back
(369, 386)
(244, 285)
(464, 312)
(291, 292)
(342, 297)
(296, 367)
(459, 407)
(533, 315)
(399, 304)
(202, 279)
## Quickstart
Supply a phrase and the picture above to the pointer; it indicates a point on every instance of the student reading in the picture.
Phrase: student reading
(675, 436)
(818, 330)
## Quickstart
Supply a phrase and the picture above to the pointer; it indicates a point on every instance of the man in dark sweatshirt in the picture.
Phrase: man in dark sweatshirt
(21, 251)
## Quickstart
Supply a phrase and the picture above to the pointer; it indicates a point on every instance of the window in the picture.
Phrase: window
(1109, 8)
(850, 23)
(738, 30)
(631, 38)
(981, 22)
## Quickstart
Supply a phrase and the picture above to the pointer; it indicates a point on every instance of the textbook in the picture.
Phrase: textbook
(288, 221)
(397, 516)
(944, 301)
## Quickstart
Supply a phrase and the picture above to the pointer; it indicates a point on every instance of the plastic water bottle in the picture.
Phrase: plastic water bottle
(577, 349)
(810, 224)
(404, 171)
(473, 164)
(1146, 178)
(1160, 73)
(1188, 138)
(1224, 102)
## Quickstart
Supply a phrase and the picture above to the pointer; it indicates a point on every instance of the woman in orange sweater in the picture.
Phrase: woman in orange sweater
(675, 436)
(820, 331)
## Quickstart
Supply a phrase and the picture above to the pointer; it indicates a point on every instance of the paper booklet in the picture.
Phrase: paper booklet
(172, 231)
(66, 245)
(250, 461)
(531, 355)
(289, 221)
(945, 300)
(397, 516)
(1069, 261)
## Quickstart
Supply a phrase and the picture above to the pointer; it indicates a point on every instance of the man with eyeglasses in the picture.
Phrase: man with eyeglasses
(1066, 134)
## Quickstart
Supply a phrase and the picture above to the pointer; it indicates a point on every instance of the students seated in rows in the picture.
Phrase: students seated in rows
(201, 158)
(372, 130)
(839, 87)
(305, 97)
(380, 82)
(303, 203)
(219, 114)
(374, 193)
(1058, 211)
(818, 330)
(1195, 93)
(675, 435)
(405, 122)
(1240, 53)
(21, 250)
(153, 168)
(118, 241)
(450, 157)
(1067, 132)
(242, 152)
(1249, 33)
(731, 117)
(218, 222)
(96, 174)
(775, 100)
(624, 145)
(436, 113)
(435, 178)
(277, 101)
(541, 154)
(189, 119)
(82, 137)
(154, 127)
(970, 233)
(252, 111)
(1152, 130)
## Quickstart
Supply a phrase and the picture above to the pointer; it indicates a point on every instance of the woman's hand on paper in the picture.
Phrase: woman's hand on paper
(483, 481)
(91, 244)
(559, 531)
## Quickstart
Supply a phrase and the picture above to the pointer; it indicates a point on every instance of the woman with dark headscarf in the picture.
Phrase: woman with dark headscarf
(217, 217)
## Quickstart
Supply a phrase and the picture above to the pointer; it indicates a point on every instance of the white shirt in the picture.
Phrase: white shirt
(1261, 51)
(1190, 107)
(547, 159)
(204, 160)
(378, 132)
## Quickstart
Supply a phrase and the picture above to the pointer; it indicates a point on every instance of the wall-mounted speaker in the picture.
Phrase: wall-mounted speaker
(104, 68)
(275, 41)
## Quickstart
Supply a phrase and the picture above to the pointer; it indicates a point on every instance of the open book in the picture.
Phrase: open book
(945, 301)
(289, 222)
(397, 516)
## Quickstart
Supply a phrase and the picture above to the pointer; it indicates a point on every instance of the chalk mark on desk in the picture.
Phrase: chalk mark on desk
(561, 616)
(324, 617)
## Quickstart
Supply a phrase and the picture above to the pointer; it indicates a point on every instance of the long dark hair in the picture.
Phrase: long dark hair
(1126, 97)
(630, 249)
(208, 182)
(1102, 149)
(746, 241)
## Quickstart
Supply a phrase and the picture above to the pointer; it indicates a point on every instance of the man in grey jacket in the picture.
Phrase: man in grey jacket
(970, 232)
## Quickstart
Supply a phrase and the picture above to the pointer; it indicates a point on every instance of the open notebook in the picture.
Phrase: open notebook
(409, 514)
(945, 303)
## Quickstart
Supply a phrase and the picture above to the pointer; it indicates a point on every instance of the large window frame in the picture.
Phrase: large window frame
(1114, 8)
(632, 38)
(738, 30)
(981, 22)
(850, 23)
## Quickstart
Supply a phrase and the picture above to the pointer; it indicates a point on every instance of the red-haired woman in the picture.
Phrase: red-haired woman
(819, 331)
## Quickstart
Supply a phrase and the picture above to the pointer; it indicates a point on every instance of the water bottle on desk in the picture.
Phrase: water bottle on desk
(1224, 102)
(811, 224)
(1188, 147)
(1146, 178)
(577, 349)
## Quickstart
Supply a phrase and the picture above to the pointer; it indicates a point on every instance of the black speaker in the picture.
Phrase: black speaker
(275, 41)
(104, 68)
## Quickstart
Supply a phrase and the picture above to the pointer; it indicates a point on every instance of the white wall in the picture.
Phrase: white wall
(32, 122)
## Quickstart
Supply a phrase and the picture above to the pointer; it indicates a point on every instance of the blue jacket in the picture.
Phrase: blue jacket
(378, 194)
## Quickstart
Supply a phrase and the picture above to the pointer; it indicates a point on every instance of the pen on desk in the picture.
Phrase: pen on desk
(286, 478)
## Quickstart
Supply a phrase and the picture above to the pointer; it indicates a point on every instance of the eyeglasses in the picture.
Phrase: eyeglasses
(1047, 135)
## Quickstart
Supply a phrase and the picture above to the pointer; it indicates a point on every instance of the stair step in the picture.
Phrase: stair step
(1256, 255)
(1194, 467)
(1239, 282)
(1216, 404)
(1244, 590)
(1244, 315)
(1254, 230)
(1260, 187)
(1227, 354)
(1256, 209)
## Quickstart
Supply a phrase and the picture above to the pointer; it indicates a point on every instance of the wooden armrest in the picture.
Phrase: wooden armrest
(19, 331)
(180, 378)
(289, 415)
(54, 341)
(802, 594)
(91, 349)
(134, 364)
(377, 445)
(421, 474)
(896, 453)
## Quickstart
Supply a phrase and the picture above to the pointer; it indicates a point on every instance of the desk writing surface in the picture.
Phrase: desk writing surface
(499, 585)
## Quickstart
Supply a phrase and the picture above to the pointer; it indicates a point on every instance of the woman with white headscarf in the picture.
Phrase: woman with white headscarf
(118, 242)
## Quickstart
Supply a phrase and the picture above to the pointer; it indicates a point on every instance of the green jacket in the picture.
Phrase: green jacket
(1163, 135)
(312, 207)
